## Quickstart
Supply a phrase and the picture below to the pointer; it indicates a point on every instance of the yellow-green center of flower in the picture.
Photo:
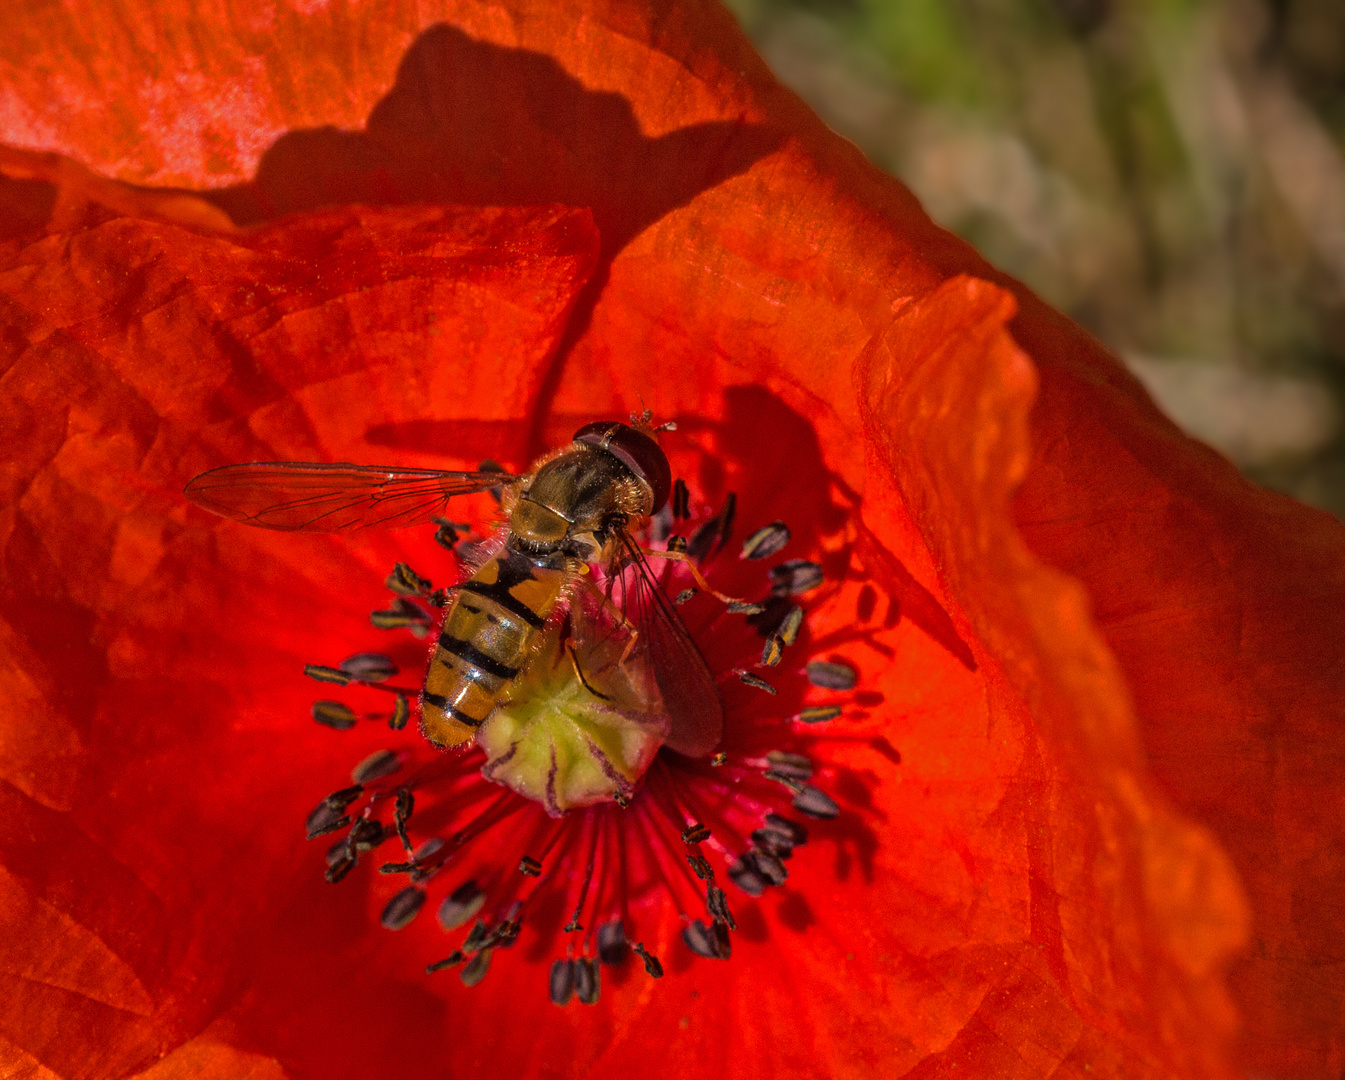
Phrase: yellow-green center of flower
(583, 721)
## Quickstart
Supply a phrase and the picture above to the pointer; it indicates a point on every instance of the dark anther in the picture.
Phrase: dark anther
(505, 934)
(766, 541)
(621, 798)
(766, 866)
(795, 576)
(453, 959)
(711, 942)
(586, 981)
(461, 905)
(427, 849)
(695, 833)
(406, 582)
(681, 499)
(782, 777)
(771, 618)
(377, 765)
(561, 982)
(719, 759)
(742, 874)
(791, 624)
(477, 936)
(717, 904)
(478, 965)
(370, 667)
(496, 493)
(447, 534)
(338, 851)
(685, 595)
(529, 866)
(612, 946)
(677, 543)
(796, 833)
(793, 765)
(328, 815)
(753, 680)
(403, 615)
(652, 966)
(325, 819)
(402, 908)
(326, 674)
(337, 870)
(401, 713)
(772, 842)
(829, 675)
(742, 607)
(334, 715)
(815, 803)
(397, 867)
(701, 866)
(779, 836)
(818, 714)
(367, 833)
(406, 802)
(574, 925)
(772, 651)
(711, 537)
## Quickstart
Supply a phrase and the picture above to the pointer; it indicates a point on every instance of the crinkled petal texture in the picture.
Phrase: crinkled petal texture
(538, 215)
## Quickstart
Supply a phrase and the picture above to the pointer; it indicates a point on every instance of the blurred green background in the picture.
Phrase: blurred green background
(1171, 173)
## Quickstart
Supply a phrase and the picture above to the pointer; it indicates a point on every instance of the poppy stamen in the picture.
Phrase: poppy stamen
(830, 675)
(403, 615)
(574, 925)
(754, 681)
(658, 832)
(681, 500)
(651, 963)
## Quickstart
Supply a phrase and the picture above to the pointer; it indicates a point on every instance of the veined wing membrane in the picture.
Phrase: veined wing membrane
(695, 712)
(301, 497)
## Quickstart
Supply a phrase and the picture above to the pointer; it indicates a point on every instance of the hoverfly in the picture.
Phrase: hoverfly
(576, 508)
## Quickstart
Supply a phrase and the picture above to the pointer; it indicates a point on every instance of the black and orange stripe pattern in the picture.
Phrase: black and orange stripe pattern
(487, 635)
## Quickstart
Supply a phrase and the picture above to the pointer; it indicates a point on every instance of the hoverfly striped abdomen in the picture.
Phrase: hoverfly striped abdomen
(488, 632)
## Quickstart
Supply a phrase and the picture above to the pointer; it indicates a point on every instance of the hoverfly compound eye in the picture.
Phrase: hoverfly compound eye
(637, 451)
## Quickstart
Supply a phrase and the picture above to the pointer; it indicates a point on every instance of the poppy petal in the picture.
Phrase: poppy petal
(140, 354)
(1041, 908)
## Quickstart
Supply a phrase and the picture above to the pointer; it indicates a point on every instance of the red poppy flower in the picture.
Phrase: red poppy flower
(435, 234)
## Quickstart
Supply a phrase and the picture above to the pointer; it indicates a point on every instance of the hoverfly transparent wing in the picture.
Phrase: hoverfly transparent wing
(695, 712)
(300, 497)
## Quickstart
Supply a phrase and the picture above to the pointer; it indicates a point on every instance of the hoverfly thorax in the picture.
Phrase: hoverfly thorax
(610, 475)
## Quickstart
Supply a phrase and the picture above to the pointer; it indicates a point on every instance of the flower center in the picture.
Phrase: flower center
(579, 726)
(569, 814)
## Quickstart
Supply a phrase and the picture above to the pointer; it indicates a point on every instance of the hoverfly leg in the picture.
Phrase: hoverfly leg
(690, 563)
(579, 672)
(630, 644)
(622, 619)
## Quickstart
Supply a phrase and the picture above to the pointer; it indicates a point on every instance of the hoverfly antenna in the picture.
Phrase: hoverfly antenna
(644, 421)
